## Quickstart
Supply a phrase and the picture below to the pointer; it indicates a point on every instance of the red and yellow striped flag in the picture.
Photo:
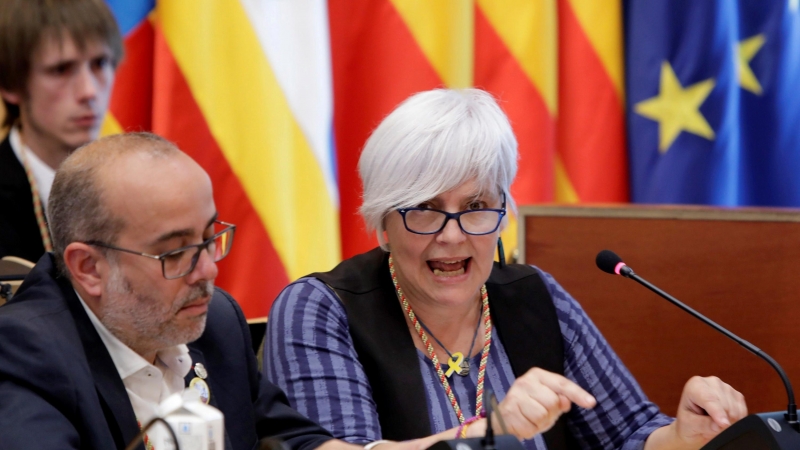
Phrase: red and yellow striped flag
(258, 92)
(225, 85)
(555, 67)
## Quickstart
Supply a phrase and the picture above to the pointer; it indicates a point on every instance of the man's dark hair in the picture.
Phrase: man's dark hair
(24, 24)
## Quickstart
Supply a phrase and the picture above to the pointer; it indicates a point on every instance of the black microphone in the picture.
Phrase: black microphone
(488, 439)
(756, 431)
(609, 262)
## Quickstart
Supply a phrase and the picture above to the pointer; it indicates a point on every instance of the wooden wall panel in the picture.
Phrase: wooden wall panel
(740, 268)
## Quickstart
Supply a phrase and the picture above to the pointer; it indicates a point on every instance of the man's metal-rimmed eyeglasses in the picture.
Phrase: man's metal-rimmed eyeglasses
(472, 221)
(182, 261)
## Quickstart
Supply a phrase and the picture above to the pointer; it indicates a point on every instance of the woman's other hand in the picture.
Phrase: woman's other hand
(707, 406)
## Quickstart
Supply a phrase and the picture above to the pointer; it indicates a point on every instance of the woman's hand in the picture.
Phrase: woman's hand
(707, 406)
(537, 399)
(532, 405)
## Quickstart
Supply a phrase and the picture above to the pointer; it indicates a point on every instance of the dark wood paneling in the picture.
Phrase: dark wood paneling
(740, 270)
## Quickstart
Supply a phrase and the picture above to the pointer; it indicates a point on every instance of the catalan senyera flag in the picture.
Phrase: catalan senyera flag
(244, 87)
(555, 66)
(714, 111)
(275, 99)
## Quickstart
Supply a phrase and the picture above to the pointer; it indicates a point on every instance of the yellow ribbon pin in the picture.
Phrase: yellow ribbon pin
(454, 364)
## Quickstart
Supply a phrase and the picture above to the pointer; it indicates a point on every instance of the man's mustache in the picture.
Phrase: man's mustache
(204, 289)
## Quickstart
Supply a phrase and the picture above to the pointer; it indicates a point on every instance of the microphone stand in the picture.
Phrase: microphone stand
(764, 431)
(791, 410)
(488, 441)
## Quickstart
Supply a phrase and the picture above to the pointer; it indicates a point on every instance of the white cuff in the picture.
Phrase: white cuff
(374, 444)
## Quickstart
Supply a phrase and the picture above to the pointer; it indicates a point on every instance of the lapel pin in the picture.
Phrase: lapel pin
(200, 371)
(200, 385)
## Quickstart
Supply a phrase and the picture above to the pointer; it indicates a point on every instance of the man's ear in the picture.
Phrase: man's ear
(85, 265)
(11, 97)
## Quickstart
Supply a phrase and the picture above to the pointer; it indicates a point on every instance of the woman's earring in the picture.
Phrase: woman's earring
(501, 253)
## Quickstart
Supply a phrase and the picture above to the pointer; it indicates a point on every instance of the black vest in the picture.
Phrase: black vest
(523, 316)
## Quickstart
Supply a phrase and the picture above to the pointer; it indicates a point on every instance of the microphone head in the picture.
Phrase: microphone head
(609, 262)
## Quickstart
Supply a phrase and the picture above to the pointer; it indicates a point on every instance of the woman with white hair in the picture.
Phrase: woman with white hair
(402, 342)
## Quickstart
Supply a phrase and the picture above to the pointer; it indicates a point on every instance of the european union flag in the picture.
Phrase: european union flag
(713, 101)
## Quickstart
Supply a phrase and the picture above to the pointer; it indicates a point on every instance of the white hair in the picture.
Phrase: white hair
(432, 143)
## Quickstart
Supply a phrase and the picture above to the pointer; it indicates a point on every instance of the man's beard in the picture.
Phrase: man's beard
(146, 323)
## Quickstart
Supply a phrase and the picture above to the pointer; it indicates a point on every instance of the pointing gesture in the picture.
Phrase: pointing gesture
(537, 399)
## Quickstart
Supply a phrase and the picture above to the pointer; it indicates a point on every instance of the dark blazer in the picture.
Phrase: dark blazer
(19, 232)
(59, 388)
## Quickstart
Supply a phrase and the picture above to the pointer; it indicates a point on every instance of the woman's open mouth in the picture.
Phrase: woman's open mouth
(449, 268)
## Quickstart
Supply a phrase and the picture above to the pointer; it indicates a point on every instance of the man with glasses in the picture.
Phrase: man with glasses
(124, 313)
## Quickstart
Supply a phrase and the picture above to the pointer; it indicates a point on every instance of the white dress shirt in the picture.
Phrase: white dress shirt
(42, 173)
(147, 384)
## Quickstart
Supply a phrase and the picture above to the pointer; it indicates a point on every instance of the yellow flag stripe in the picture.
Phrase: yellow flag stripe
(445, 31)
(529, 30)
(602, 23)
(219, 54)
(110, 126)
(565, 192)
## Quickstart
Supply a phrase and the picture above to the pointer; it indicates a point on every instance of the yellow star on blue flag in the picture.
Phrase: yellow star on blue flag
(745, 51)
(736, 93)
(676, 108)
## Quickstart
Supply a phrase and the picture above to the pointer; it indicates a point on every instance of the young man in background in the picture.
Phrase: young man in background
(57, 65)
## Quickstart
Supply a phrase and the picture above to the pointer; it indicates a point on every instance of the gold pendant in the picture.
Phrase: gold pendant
(454, 364)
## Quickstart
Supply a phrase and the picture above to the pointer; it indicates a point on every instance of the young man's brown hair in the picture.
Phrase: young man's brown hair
(25, 23)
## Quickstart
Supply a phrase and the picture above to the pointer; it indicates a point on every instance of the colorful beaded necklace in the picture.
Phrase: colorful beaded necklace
(145, 439)
(487, 324)
(38, 211)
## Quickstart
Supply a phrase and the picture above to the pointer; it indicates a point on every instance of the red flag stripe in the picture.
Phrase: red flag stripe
(253, 272)
(591, 127)
(497, 71)
(132, 99)
(376, 65)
